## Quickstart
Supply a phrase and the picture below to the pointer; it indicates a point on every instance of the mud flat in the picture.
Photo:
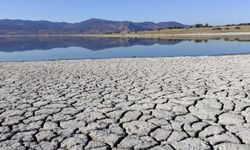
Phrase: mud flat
(130, 103)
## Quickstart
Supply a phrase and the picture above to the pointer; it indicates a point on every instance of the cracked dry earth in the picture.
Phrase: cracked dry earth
(141, 103)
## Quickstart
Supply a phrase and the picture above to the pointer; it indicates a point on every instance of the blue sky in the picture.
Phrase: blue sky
(184, 11)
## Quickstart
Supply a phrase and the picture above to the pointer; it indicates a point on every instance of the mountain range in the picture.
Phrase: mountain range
(91, 26)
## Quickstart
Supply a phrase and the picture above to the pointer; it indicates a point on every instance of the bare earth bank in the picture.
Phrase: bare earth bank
(139, 103)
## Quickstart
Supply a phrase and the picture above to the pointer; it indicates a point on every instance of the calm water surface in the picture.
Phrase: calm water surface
(51, 48)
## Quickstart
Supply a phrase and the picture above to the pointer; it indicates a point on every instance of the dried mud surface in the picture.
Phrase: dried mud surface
(140, 103)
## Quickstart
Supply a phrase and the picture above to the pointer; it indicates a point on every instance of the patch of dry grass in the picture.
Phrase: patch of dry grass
(223, 29)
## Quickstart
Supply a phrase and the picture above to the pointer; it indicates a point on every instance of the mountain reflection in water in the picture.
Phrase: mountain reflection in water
(12, 44)
(35, 48)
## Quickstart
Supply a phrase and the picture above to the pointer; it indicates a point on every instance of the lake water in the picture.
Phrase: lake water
(53, 48)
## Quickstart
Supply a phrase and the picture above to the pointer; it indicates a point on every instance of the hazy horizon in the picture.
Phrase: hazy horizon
(117, 20)
(187, 12)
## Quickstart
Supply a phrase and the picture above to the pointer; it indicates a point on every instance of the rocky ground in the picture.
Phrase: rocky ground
(141, 103)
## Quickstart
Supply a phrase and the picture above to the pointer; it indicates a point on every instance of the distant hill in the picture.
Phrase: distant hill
(91, 26)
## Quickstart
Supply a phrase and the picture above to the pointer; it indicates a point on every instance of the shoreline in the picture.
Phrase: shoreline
(133, 57)
(230, 34)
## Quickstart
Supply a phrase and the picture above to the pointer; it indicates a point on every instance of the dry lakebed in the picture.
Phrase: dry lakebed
(196, 103)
